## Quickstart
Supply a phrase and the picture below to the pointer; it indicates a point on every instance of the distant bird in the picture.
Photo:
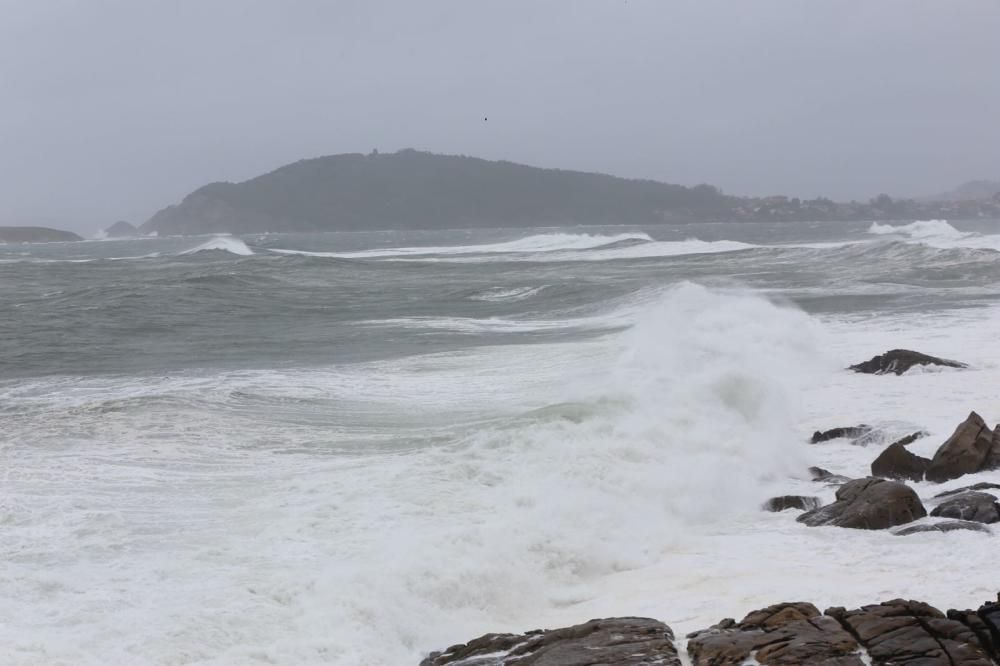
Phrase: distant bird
(485, 119)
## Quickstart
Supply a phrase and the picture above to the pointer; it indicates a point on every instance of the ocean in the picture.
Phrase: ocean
(354, 448)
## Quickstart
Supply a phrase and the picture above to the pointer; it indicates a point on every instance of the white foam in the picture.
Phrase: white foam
(500, 295)
(536, 243)
(224, 244)
(938, 234)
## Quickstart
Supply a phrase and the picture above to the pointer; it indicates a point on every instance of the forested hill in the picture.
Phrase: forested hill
(418, 190)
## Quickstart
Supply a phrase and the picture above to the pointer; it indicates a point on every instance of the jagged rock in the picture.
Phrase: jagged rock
(898, 361)
(985, 485)
(982, 629)
(897, 462)
(631, 641)
(826, 476)
(989, 614)
(911, 633)
(974, 506)
(791, 634)
(965, 452)
(800, 502)
(869, 504)
(993, 457)
(850, 432)
(944, 526)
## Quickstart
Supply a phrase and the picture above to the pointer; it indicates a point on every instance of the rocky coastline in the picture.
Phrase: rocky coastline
(894, 632)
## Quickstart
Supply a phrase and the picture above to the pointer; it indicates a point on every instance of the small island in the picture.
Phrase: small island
(36, 235)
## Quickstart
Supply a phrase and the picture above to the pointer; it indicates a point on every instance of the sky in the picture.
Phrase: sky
(113, 109)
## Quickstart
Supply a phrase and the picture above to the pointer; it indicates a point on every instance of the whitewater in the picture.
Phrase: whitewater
(357, 448)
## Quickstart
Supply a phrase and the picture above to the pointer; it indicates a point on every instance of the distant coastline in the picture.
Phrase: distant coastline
(419, 190)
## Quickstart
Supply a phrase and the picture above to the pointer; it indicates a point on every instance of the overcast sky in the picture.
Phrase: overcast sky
(112, 109)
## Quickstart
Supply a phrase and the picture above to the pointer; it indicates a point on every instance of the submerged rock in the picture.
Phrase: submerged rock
(826, 476)
(944, 526)
(985, 485)
(853, 433)
(868, 504)
(975, 506)
(897, 462)
(898, 361)
(965, 452)
(800, 502)
(625, 641)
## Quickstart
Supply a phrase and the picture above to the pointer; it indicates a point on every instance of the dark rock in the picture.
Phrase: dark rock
(985, 485)
(800, 502)
(944, 526)
(826, 476)
(964, 452)
(972, 620)
(912, 633)
(974, 506)
(631, 641)
(869, 504)
(850, 432)
(791, 634)
(993, 457)
(898, 361)
(121, 229)
(896, 462)
(989, 614)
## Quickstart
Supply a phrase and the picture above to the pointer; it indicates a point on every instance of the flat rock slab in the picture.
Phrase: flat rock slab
(898, 361)
(944, 526)
(625, 641)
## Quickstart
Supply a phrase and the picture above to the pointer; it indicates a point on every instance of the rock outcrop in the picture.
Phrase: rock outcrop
(897, 462)
(826, 476)
(868, 504)
(781, 635)
(624, 641)
(892, 633)
(798, 502)
(912, 632)
(974, 506)
(898, 361)
(971, 448)
(985, 485)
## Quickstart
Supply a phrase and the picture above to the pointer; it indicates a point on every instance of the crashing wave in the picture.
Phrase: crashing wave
(222, 244)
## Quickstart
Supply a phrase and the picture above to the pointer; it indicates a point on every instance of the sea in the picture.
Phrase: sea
(355, 448)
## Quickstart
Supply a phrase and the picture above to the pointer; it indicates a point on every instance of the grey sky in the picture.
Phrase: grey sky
(113, 109)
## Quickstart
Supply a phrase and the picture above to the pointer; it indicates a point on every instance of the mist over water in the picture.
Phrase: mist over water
(355, 448)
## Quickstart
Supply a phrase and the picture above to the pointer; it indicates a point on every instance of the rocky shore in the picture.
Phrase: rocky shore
(894, 632)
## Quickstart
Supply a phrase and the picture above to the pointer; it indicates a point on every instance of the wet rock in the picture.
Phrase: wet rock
(975, 506)
(869, 504)
(631, 641)
(826, 476)
(897, 462)
(790, 634)
(799, 502)
(850, 432)
(965, 452)
(976, 486)
(982, 629)
(989, 614)
(912, 633)
(898, 361)
(944, 526)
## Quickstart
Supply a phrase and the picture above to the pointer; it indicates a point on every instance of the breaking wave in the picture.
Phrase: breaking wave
(222, 244)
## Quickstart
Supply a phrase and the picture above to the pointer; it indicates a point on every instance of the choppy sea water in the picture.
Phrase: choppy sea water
(355, 448)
